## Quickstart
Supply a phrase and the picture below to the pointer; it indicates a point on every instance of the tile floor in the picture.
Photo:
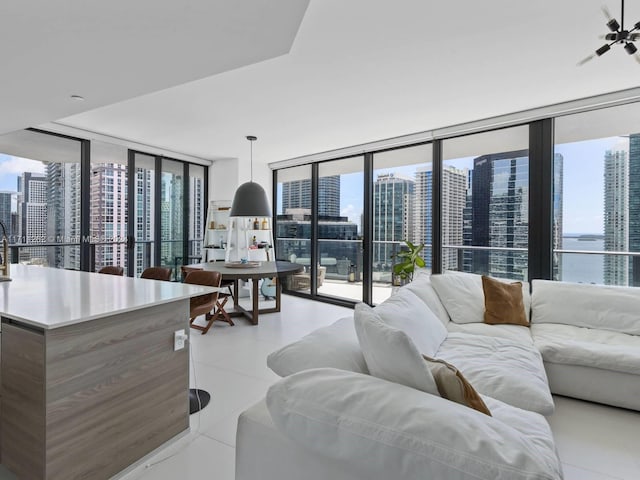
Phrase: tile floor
(594, 442)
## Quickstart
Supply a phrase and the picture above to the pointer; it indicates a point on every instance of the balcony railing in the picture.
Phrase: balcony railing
(67, 255)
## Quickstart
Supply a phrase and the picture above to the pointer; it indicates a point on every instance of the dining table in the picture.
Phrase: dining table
(254, 272)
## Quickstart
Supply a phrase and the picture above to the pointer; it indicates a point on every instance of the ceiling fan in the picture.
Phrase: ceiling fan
(618, 35)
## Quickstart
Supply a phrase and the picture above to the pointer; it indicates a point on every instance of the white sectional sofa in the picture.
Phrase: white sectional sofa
(589, 337)
(583, 342)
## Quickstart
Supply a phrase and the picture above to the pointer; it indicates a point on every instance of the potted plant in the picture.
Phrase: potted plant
(405, 262)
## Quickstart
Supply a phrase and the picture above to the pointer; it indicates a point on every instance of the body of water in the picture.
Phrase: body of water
(576, 267)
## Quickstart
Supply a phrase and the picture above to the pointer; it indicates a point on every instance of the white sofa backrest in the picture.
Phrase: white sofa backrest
(422, 287)
(592, 306)
(462, 295)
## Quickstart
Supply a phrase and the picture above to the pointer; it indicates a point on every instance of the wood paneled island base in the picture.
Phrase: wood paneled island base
(88, 399)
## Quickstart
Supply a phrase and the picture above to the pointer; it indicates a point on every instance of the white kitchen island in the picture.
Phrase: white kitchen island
(90, 382)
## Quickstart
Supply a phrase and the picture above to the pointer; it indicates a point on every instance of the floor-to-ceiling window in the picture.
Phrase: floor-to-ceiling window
(597, 196)
(340, 221)
(77, 204)
(293, 223)
(40, 194)
(485, 203)
(563, 204)
(402, 210)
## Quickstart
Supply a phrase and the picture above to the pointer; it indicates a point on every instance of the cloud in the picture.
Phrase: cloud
(10, 165)
(353, 213)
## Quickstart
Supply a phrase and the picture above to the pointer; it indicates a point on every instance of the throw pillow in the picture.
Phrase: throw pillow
(503, 302)
(390, 354)
(335, 346)
(453, 386)
(461, 294)
(405, 311)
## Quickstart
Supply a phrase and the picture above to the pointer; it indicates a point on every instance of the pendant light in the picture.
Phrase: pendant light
(250, 199)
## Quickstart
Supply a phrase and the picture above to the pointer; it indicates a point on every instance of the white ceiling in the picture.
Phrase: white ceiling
(109, 51)
(360, 71)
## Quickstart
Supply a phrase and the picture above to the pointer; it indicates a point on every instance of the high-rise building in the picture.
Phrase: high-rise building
(297, 194)
(499, 210)
(171, 218)
(108, 213)
(5, 212)
(454, 183)
(616, 221)
(196, 215)
(293, 234)
(454, 196)
(634, 208)
(143, 218)
(558, 194)
(392, 216)
(422, 207)
(32, 215)
(63, 213)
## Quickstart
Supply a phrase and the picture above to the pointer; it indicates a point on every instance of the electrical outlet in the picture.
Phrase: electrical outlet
(179, 337)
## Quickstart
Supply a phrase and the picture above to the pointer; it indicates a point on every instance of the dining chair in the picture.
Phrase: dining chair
(112, 270)
(157, 273)
(206, 304)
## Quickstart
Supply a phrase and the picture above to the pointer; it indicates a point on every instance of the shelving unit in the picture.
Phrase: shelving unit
(243, 237)
(216, 239)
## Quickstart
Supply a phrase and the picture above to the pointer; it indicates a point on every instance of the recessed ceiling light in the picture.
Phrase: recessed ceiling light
(78, 98)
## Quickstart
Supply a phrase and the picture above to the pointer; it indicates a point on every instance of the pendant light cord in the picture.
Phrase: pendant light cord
(251, 143)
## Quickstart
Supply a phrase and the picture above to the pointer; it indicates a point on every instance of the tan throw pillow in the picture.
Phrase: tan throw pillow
(453, 386)
(503, 303)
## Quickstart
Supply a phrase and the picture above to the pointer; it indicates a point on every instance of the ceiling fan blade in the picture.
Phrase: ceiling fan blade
(585, 60)
(606, 12)
(637, 57)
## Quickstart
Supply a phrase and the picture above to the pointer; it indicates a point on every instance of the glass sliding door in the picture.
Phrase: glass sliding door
(144, 212)
(402, 210)
(597, 197)
(40, 194)
(108, 205)
(485, 203)
(293, 224)
(172, 215)
(340, 216)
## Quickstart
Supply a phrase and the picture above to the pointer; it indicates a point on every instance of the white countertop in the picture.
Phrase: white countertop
(52, 298)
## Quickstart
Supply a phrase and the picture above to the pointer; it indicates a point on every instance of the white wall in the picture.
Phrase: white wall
(226, 175)
(223, 179)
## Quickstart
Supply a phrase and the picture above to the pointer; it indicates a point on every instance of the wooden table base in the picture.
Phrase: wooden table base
(253, 314)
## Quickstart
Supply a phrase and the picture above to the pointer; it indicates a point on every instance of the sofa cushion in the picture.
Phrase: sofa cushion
(333, 346)
(386, 430)
(503, 303)
(591, 306)
(588, 347)
(508, 371)
(462, 295)
(422, 287)
(405, 311)
(389, 352)
(516, 333)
